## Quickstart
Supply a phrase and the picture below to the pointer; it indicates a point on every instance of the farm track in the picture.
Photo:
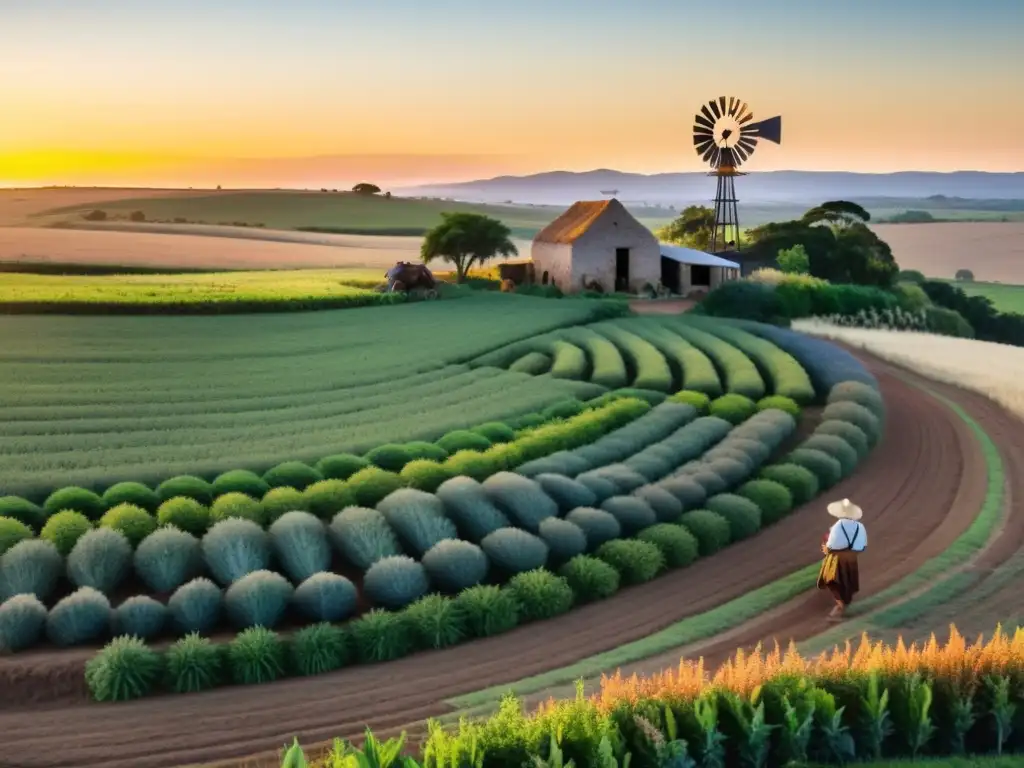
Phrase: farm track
(921, 487)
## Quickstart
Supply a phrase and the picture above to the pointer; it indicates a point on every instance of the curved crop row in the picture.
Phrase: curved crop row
(739, 374)
(607, 366)
(650, 369)
(568, 361)
(696, 371)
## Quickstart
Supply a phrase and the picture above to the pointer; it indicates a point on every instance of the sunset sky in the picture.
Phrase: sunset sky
(244, 92)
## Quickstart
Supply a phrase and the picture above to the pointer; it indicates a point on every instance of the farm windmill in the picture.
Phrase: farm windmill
(725, 138)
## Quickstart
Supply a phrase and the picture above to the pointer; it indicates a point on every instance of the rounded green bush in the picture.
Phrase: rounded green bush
(418, 518)
(755, 451)
(193, 664)
(733, 408)
(678, 546)
(363, 536)
(495, 432)
(12, 532)
(258, 599)
(566, 492)
(590, 578)
(326, 498)
(140, 616)
(255, 656)
(710, 529)
(234, 548)
(772, 498)
(858, 415)
(836, 447)
(513, 550)
(455, 565)
(436, 621)
(317, 649)
(633, 513)
(78, 499)
(489, 610)
(100, 559)
(81, 617)
(601, 487)
(636, 561)
(779, 403)
(743, 515)
(133, 522)
(700, 401)
(380, 635)
(731, 452)
(395, 581)
(467, 505)
(565, 540)
(463, 440)
(238, 505)
(299, 541)
(801, 483)
(859, 393)
(196, 606)
(851, 433)
(22, 619)
(189, 486)
(167, 558)
(64, 529)
(136, 494)
(326, 596)
(667, 508)
(472, 464)
(709, 481)
(597, 525)
(390, 456)
(277, 501)
(24, 511)
(730, 469)
(32, 567)
(293, 474)
(424, 474)
(688, 491)
(185, 514)
(124, 669)
(540, 594)
(623, 477)
(240, 481)
(527, 421)
(825, 468)
(521, 499)
(341, 466)
(563, 409)
(419, 450)
(369, 486)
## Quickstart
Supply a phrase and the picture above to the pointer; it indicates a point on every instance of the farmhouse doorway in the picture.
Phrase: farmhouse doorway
(622, 269)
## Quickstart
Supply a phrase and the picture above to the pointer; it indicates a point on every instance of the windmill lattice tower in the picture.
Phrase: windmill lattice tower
(725, 138)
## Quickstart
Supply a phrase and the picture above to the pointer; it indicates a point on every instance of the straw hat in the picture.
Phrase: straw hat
(845, 510)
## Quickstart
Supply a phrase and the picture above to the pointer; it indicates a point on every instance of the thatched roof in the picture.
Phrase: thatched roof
(572, 224)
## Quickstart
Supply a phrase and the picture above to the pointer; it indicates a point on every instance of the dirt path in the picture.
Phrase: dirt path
(917, 487)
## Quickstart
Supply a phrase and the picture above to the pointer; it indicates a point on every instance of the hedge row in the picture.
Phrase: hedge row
(696, 371)
(740, 375)
(651, 370)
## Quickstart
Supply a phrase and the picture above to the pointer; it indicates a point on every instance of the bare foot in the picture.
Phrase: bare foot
(836, 614)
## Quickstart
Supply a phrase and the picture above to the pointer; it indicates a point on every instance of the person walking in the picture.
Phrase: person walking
(840, 572)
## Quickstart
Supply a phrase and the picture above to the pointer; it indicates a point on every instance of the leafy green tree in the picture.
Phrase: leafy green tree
(691, 228)
(837, 213)
(964, 275)
(365, 188)
(466, 239)
(794, 260)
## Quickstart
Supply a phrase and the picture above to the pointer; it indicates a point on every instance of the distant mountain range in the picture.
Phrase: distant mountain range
(779, 187)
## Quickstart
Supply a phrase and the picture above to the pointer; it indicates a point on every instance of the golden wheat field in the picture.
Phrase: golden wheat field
(993, 251)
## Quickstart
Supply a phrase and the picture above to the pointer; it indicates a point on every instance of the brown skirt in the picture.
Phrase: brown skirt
(840, 575)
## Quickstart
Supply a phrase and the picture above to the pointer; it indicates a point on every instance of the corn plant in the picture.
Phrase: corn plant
(1002, 709)
(962, 722)
(705, 710)
(797, 729)
(875, 705)
(669, 752)
(919, 703)
(837, 743)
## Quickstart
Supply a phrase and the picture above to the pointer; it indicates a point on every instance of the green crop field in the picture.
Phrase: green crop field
(1006, 297)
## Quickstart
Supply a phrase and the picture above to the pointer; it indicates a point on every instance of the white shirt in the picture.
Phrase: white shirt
(843, 529)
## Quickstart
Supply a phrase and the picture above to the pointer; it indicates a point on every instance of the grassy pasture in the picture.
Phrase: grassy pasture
(1006, 298)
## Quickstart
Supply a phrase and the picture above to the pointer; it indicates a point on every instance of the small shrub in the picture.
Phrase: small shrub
(234, 548)
(240, 481)
(277, 501)
(81, 617)
(136, 494)
(590, 578)
(779, 403)
(100, 559)
(773, 499)
(566, 492)
(540, 594)
(709, 528)
(363, 536)
(371, 485)
(424, 474)
(140, 616)
(126, 668)
(521, 499)
(488, 610)
(326, 498)
(835, 447)
(565, 540)
(850, 433)
(395, 581)
(185, 514)
(597, 525)
(700, 401)
(326, 596)
(633, 513)
(667, 508)
(259, 599)
(31, 567)
(463, 440)
(743, 515)
(293, 474)
(860, 393)
(189, 486)
(825, 468)
(474, 464)
(563, 409)
(133, 522)
(299, 541)
(196, 606)
(77, 499)
(687, 490)
(636, 561)
(421, 449)
(678, 546)
(193, 664)
(709, 480)
(256, 655)
(317, 649)
(22, 619)
(341, 466)
(380, 635)
(513, 550)
(733, 408)
(436, 621)
(167, 558)
(455, 565)
(24, 511)
(858, 415)
(495, 432)
(468, 506)
(390, 457)
(64, 529)
(624, 478)
(801, 483)
(12, 532)
(417, 518)
(601, 487)
(237, 505)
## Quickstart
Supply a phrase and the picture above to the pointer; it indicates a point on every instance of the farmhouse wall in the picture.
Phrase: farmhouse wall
(556, 260)
(593, 255)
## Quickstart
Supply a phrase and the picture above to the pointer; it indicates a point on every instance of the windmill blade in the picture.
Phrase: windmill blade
(699, 119)
(707, 114)
(702, 136)
(740, 153)
(704, 146)
(713, 104)
(716, 157)
(732, 105)
(721, 104)
(700, 141)
(702, 130)
(746, 118)
(770, 129)
(741, 110)
(748, 143)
